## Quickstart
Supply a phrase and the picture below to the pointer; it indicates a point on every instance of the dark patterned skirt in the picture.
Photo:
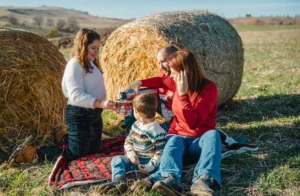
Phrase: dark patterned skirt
(84, 127)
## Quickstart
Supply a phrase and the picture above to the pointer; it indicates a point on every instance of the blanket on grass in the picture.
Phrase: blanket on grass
(96, 168)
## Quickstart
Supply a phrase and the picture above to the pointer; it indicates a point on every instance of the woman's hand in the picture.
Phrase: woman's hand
(108, 104)
(182, 83)
(105, 104)
(135, 86)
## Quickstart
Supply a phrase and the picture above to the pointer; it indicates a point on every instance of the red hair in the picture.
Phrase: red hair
(186, 60)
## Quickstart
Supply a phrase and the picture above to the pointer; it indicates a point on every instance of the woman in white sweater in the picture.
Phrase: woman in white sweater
(83, 86)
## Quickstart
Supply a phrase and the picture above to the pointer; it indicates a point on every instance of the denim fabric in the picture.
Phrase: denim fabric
(121, 164)
(165, 126)
(129, 120)
(205, 151)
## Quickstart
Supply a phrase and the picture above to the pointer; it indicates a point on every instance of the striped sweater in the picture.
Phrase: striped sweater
(146, 141)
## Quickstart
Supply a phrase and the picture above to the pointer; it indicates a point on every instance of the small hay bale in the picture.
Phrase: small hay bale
(31, 101)
(130, 51)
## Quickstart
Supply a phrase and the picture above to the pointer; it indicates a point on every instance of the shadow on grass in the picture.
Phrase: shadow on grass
(3, 156)
(277, 145)
(259, 109)
(272, 123)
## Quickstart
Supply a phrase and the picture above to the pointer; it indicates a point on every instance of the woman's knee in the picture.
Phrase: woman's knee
(77, 150)
(211, 134)
(175, 141)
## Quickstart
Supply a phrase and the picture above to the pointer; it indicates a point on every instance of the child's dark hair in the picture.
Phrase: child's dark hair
(146, 104)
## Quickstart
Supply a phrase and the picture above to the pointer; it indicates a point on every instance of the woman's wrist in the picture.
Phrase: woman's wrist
(97, 103)
(105, 104)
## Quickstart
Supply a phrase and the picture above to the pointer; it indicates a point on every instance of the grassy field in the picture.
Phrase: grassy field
(266, 110)
(266, 27)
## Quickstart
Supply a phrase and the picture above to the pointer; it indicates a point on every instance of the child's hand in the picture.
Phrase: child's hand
(134, 159)
(143, 168)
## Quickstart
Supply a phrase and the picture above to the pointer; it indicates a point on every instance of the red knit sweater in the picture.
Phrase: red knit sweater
(169, 94)
(194, 115)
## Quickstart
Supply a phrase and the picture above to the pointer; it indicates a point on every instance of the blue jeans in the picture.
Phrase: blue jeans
(130, 119)
(121, 164)
(205, 150)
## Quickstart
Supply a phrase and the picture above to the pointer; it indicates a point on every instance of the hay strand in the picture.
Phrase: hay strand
(130, 52)
(31, 101)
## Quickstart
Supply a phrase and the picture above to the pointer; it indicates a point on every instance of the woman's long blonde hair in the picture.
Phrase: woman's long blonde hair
(83, 38)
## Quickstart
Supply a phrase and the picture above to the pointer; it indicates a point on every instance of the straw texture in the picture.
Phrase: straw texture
(31, 101)
(130, 52)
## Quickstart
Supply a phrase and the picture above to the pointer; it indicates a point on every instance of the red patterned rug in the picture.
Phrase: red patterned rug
(96, 168)
(89, 169)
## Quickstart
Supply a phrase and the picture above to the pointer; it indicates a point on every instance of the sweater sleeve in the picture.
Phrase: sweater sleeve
(155, 160)
(160, 82)
(128, 146)
(194, 117)
(73, 80)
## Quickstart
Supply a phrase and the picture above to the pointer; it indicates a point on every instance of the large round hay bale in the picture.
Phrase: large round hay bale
(31, 101)
(130, 52)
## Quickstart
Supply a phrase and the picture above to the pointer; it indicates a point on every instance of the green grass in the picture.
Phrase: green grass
(26, 180)
(266, 110)
(242, 28)
(282, 179)
(66, 52)
(36, 30)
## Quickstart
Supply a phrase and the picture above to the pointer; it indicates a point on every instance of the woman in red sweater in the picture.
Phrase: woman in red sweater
(192, 134)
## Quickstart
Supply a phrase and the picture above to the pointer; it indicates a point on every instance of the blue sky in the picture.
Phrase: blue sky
(139, 8)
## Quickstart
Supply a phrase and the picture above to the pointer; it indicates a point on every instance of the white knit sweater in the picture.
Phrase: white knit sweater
(80, 88)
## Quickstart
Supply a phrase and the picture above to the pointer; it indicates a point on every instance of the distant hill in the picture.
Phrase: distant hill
(44, 21)
(265, 20)
(25, 16)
